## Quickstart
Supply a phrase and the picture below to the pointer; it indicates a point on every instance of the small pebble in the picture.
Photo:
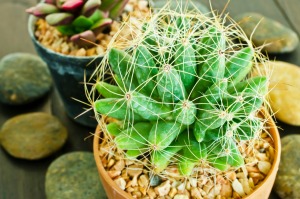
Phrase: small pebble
(81, 52)
(287, 184)
(264, 167)
(163, 189)
(121, 183)
(155, 180)
(32, 136)
(238, 187)
(181, 196)
(276, 37)
(23, 78)
(73, 176)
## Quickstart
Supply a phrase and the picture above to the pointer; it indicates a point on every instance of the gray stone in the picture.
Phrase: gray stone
(287, 184)
(74, 176)
(155, 180)
(23, 78)
(32, 136)
(276, 37)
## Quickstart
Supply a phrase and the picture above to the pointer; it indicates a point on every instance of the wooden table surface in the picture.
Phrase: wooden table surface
(21, 179)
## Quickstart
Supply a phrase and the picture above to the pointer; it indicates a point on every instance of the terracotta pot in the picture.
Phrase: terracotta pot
(262, 190)
(68, 76)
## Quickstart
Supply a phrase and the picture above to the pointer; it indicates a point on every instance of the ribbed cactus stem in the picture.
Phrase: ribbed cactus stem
(188, 78)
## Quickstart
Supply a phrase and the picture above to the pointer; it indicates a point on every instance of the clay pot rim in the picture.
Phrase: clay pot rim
(273, 130)
(100, 167)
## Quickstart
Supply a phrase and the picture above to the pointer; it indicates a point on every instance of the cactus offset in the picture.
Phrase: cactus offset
(79, 19)
(184, 92)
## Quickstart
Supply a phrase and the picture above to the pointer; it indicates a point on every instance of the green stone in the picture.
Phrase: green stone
(74, 176)
(23, 78)
(287, 184)
(32, 136)
(274, 36)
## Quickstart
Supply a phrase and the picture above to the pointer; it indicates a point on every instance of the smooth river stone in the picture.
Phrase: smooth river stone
(287, 184)
(285, 91)
(74, 176)
(276, 37)
(24, 78)
(32, 136)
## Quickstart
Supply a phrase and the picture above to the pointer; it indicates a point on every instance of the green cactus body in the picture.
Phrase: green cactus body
(211, 60)
(161, 158)
(185, 64)
(134, 137)
(108, 90)
(163, 134)
(239, 65)
(210, 115)
(169, 85)
(185, 112)
(116, 108)
(113, 129)
(230, 155)
(146, 71)
(190, 82)
(134, 153)
(120, 62)
(148, 108)
(186, 167)
(191, 153)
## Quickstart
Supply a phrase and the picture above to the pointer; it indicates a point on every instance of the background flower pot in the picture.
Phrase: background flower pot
(262, 191)
(68, 75)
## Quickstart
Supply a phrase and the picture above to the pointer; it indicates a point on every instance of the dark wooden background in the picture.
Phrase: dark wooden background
(21, 179)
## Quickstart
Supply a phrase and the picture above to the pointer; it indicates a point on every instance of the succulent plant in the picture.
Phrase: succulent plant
(183, 93)
(79, 18)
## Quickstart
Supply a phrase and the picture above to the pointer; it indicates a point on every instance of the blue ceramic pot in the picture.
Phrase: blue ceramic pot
(68, 75)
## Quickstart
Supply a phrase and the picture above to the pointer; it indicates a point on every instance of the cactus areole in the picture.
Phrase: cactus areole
(79, 19)
(183, 93)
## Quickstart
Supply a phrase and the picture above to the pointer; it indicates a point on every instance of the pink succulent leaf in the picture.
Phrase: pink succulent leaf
(30, 10)
(84, 39)
(104, 14)
(101, 25)
(58, 19)
(72, 5)
(89, 7)
(42, 9)
(118, 9)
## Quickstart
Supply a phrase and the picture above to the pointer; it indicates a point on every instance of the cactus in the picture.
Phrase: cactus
(79, 19)
(184, 92)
